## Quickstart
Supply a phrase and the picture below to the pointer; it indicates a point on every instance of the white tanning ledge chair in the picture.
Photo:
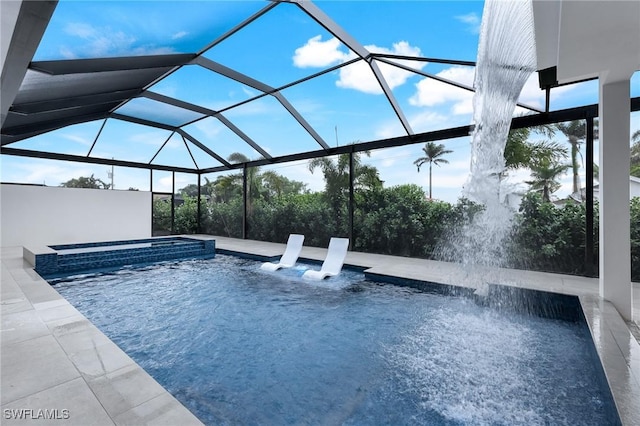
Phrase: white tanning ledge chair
(332, 264)
(290, 256)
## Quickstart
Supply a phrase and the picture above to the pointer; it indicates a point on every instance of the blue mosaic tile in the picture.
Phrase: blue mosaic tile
(81, 257)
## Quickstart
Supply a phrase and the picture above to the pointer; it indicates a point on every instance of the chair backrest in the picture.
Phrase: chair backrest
(336, 253)
(294, 246)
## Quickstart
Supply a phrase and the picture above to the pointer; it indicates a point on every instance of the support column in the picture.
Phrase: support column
(198, 211)
(173, 203)
(615, 245)
(246, 199)
(352, 173)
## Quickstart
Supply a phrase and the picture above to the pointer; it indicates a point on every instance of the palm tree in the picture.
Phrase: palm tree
(545, 174)
(227, 187)
(336, 174)
(432, 155)
(336, 178)
(253, 176)
(276, 185)
(520, 153)
(576, 133)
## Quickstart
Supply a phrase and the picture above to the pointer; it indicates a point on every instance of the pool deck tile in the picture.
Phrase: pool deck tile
(54, 358)
(32, 366)
(83, 408)
(161, 410)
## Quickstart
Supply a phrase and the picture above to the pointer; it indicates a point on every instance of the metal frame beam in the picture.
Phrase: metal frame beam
(238, 27)
(285, 103)
(186, 145)
(382, 58)
(208, 113)
(422, 59)
(172, 129)
(18, 133)
(92, 160)
(242, 135)
(439, 135)
(327, 23)
(233, 74)
(577, 113)
(162, 146)
(264, 88)
(332, 27)
(142, 121)
(390, 97)
(203, 147)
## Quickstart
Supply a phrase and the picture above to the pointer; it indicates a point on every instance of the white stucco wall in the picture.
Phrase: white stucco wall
(36, 215)
(634, 188)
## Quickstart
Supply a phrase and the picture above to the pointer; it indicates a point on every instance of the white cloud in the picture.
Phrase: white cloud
(389, 129)
(472, 21)
(358, 76)
(78, 139)
(249, 92)
(152, 137)
(428, 121)
(533, 96)
(431, 92)
(164, 184)
(299, 170)
(40, 172)
(317, 53)
(259, 107)
(210, 127)
(105, 42)
(179, 35)
(175, 142)
(463, 107)
(80, 29)
(382, 159)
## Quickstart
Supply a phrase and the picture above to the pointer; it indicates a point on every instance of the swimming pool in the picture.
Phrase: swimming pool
(238, 345)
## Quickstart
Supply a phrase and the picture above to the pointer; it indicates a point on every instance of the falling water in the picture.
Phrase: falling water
(506, 59)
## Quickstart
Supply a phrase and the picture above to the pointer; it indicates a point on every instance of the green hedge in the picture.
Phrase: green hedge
(401, 221)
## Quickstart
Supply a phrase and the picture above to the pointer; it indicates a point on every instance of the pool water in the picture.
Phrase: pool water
(238, 345)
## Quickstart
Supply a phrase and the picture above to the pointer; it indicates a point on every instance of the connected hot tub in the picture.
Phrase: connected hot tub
(70, 258)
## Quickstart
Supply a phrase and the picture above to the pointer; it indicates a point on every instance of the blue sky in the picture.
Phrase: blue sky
(284, 45)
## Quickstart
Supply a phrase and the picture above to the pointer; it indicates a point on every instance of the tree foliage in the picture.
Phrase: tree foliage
(545, 174)
(86, 182)
(576, 133)
(398, 220)
(548, 238)
(635, 154)
(336, 178)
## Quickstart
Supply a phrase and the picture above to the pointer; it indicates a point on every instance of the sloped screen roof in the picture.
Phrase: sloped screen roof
(230, 89)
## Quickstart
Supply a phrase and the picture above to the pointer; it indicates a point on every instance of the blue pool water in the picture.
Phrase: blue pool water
(238, 345)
